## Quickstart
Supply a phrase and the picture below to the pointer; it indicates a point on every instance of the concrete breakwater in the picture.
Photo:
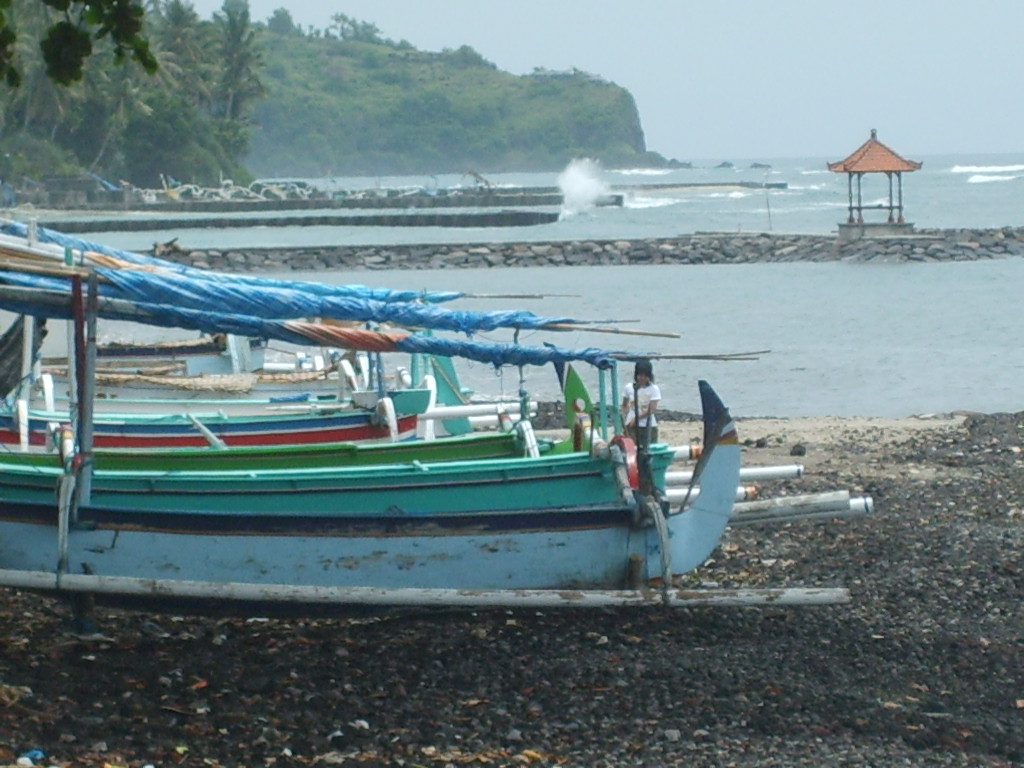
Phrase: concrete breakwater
(700, 248)
(473, 218)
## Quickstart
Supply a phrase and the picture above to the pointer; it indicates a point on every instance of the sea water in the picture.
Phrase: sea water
(841, 338)
(833, 339)
(948, 192)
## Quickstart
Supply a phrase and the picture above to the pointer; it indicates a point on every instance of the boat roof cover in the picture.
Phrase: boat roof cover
(90, 252)
(154, 292)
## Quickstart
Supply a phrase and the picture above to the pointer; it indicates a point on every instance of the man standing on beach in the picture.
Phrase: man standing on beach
(640, 400)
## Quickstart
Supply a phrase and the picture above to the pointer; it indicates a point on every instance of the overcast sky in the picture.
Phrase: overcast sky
(747, 79)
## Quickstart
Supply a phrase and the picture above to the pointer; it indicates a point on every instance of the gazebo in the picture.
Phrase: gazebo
(874, 157)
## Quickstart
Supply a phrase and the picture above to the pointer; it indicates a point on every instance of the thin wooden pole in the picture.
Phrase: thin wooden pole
(606, 329)
(286, 594)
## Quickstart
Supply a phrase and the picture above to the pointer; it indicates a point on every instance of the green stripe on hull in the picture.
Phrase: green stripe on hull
(289, 457)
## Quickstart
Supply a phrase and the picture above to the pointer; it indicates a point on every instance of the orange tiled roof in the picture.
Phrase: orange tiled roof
(873, 157)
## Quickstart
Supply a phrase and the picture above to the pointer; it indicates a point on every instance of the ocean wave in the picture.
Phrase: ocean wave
(642, 171)
(650, 202)
(982, 178)
(986, 168)
(823, 205)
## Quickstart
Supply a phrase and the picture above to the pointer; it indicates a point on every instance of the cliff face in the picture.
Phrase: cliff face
(346, 107)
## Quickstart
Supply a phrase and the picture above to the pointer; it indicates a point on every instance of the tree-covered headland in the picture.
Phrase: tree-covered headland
(174, 96)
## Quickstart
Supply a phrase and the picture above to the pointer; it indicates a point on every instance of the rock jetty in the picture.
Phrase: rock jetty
(699, 248)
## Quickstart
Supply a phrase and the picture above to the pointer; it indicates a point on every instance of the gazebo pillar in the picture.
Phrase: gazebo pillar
(849, 195)
(899, 184)
(860, 199)
(889, 176)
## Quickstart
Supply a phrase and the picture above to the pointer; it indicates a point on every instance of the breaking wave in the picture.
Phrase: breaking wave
(581, 186)
(986, 169)
(982, 178)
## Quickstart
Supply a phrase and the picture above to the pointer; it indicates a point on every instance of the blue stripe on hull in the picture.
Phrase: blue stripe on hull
(579, 557)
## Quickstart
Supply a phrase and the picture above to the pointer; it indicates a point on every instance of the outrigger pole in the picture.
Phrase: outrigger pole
(124, 586)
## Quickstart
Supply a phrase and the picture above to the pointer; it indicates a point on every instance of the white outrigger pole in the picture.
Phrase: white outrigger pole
(79, 583)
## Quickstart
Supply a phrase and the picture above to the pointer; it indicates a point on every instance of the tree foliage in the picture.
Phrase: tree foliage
(350, 102)
(124, 121)
(67, 42)
(232, 98)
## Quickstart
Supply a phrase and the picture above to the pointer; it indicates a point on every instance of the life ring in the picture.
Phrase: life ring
(628, 448)
(529, 439)
(386, 412)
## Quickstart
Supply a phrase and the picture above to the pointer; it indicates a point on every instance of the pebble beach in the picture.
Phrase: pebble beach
(922, 667)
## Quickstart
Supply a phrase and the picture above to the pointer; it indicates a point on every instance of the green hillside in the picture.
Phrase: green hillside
(237, 99)
(336, 106)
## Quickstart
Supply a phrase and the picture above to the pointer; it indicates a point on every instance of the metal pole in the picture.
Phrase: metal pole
(76, 352)
(88, 391)
(28, 332)
(604, 403)
(614, 403)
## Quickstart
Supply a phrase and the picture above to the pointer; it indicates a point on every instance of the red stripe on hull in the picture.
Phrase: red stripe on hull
(349, 434)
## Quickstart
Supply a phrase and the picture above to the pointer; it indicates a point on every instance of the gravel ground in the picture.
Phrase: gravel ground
(923, 667)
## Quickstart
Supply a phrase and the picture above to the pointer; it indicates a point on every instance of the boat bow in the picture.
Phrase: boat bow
(699, 524)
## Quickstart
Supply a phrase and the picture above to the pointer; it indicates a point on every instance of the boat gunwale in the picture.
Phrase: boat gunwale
(660, 451)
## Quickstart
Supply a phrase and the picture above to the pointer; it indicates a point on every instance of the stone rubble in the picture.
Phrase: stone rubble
(699, 248)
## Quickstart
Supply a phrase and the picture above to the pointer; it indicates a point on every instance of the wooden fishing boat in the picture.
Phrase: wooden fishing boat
(210, 354)
(476, 446)
(292, 398)
(200, 429)
(236, 390)
(381, 534)
(588, 522)
(259, 392)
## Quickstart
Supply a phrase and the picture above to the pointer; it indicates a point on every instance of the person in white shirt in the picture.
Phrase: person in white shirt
(640, 400)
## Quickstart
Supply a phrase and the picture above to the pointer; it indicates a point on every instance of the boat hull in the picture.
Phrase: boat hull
(557, 523)
(530, 556)
(553, 522)
(476, 446)
(144, 431)
(298, 398)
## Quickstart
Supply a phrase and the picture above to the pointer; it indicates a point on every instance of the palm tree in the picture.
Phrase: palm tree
(122, 92)
(179, 33)
(241, 59)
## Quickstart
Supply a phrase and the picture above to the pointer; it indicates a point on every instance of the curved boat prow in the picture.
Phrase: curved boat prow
(697, 529)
